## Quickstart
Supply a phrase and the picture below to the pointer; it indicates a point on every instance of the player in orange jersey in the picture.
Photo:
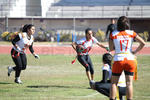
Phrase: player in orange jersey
(121, 41)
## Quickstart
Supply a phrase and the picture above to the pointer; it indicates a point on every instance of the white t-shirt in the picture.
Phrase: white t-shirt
(108, 68)
(24, 42)
(87, 44)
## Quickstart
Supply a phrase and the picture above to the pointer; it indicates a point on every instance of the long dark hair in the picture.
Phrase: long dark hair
(26, 27)
(123, 23)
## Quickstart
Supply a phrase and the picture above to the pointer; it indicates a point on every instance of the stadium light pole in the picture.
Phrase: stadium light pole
(74, 30)
(32, 20)
(6, 23)
(74, 25)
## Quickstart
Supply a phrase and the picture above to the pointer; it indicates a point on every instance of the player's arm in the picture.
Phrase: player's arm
(74, 44)
(142, 44)
(102, 46)
(32, 51)
(16, 39)
(105, 76)
(111, 44)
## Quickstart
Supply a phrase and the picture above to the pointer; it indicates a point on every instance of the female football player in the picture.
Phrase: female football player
(82, 47)
(121, 41)
(20, 43)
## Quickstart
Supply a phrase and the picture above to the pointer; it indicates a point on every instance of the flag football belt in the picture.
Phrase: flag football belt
(122, 53)
(136, 71)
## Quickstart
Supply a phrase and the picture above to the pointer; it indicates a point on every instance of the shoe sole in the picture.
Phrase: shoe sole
(18, 82)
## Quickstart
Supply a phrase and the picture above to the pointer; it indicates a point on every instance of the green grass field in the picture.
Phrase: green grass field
(53, 77)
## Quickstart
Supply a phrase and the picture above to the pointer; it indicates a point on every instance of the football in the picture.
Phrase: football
(79, 48)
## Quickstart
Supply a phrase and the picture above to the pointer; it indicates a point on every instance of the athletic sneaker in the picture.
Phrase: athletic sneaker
(10, 69)
(17, 80)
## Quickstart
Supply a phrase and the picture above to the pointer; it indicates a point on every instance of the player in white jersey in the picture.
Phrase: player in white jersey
(104, 85)
(121, 41)
(20, 43)
(82, 47)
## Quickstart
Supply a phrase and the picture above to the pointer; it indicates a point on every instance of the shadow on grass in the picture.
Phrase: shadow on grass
(5, 83)
(57, 86)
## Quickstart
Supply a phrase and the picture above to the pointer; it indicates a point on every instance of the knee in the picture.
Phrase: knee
(87, 68)
(92, 71)
(129, 83)
(24, 67)
(18, 67)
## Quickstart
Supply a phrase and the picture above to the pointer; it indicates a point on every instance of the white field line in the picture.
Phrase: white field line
(87, 96)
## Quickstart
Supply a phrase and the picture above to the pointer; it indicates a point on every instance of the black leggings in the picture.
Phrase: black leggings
(104, 88)
(85, 60)
(20, 61)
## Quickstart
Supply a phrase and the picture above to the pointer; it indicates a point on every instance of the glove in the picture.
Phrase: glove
(107, 48)
(36, 56)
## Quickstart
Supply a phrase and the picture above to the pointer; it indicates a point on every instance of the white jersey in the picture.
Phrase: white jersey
(123, 44)
(87, 44)
(24, 42)
(121, 82)
(108, 68)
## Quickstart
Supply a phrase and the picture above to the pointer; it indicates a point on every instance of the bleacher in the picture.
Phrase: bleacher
(99, 8)
(6, 7)
(100, 2)
(140, 2)
(60, 14)
(91, 2)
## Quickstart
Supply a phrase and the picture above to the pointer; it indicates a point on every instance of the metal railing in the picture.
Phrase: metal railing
(99, 11)
(84, 11)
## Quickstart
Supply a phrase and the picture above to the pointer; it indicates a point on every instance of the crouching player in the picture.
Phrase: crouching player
(104, 85)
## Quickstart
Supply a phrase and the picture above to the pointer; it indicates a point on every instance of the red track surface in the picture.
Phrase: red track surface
(62, 49)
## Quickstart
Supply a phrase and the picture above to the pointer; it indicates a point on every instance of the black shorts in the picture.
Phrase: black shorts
(85, 60)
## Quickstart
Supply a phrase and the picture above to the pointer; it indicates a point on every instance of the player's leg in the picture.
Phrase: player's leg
(13, 55)
(18, 62)
(18, 68)
(103, 88)
(113, 88)
(129, 72)
(24, 61)
(91, 67)
(117, 69)
(21, 63)
(89, 75)
(82, 60)
(129, 89)
(122, 92)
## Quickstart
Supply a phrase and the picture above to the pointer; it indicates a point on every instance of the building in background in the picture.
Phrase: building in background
(72, 16)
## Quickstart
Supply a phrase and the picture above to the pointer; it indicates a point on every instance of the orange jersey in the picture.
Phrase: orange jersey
(123, 44)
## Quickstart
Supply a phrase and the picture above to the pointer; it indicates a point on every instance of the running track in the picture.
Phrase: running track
(65, 49)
